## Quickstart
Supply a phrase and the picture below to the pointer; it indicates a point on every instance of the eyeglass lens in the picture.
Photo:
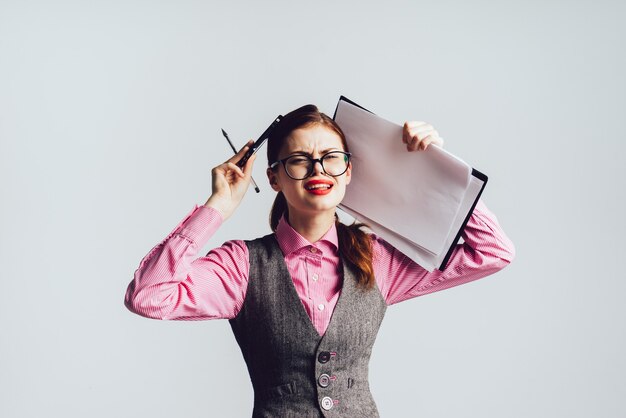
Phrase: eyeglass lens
(334, 163)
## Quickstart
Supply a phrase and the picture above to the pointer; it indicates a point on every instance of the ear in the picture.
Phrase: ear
(271, 176)
(349, 173)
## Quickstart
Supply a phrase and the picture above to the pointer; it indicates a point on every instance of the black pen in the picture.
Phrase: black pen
(256, 188)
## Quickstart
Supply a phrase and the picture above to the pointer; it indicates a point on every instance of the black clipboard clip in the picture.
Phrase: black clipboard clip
(259, 142)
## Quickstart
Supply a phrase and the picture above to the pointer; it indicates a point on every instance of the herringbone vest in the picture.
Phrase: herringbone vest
(294, 371)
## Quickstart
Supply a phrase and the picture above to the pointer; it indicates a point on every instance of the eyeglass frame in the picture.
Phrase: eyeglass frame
(347, 155)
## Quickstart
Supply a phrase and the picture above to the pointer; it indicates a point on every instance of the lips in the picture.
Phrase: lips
(318, 186)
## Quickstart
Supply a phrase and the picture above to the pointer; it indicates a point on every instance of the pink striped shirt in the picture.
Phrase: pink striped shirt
(171, 283)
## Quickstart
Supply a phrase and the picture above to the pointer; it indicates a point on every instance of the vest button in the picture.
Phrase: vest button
(327, 403)
(323, 357)
(324, 380)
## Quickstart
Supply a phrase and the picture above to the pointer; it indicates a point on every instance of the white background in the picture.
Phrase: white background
(110, 117)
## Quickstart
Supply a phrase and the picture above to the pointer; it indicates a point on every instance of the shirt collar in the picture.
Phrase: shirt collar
(290, 240)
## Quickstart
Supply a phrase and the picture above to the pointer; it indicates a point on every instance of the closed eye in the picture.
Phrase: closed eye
(332, 156)
(298, 159)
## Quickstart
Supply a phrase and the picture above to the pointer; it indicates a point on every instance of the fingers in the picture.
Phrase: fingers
(234, 167)
(413, 127)
(241, 152)
(418, 135)
(230, 170)
(227, 170)
(229, 174)
(247, 169)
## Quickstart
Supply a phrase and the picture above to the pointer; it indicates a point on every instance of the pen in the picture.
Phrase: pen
(256, 188)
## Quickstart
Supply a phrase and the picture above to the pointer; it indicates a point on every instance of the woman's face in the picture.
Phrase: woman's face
(319, 192)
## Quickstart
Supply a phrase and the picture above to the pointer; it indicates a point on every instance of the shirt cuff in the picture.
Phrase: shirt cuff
(200, 225)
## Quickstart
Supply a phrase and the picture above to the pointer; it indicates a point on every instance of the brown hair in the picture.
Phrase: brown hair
(355, 245)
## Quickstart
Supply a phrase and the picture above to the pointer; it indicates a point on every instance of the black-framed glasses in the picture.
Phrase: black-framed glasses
(301, 166)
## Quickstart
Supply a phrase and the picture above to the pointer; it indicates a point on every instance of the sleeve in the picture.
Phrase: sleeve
(170, 283)
(485, 250)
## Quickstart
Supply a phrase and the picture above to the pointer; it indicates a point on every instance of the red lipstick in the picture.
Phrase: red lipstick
(318, 186)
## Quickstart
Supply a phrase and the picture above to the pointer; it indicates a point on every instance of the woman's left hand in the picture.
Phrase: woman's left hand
(419, 135)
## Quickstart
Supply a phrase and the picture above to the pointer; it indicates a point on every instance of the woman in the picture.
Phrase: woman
(305, 303)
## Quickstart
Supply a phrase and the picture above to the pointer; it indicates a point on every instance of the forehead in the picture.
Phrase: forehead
(312, 138)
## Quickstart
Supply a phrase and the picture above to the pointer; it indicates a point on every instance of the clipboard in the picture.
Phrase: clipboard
(476, 185)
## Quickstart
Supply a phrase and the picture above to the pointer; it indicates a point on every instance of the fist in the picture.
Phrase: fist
(419, 135)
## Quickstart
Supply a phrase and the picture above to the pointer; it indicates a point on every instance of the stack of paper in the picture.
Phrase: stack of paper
(419, 201)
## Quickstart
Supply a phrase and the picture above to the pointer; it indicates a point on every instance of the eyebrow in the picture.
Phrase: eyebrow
(324, 151)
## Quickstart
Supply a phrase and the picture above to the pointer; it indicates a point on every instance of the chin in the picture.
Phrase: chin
(317, 204)
(327, 205)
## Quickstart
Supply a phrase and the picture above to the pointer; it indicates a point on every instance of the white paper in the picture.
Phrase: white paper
(414, 195)
(416, 253)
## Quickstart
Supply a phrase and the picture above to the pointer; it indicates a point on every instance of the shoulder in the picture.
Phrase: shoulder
(262, 247)
(380, 246)
(260, 241)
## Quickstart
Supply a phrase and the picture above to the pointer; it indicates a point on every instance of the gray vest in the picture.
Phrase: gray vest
(294, 371)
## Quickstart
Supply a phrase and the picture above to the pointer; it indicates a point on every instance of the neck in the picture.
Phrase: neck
(312, 226)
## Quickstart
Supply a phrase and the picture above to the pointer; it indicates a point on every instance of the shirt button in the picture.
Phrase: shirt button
(313, 250)
(315, 277)
(324, 380)
(320, 306)
(327, 403)
(323, 356)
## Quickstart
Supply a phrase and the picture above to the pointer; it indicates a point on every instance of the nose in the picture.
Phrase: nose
(317, 168)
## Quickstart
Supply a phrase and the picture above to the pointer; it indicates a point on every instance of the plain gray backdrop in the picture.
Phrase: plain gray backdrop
(110, 117)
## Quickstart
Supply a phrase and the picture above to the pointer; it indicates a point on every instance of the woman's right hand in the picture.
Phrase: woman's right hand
(230, 183)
